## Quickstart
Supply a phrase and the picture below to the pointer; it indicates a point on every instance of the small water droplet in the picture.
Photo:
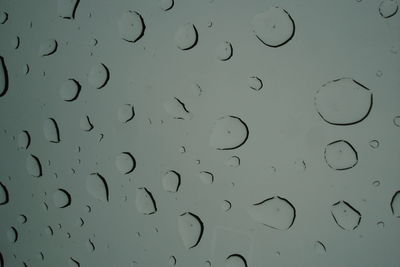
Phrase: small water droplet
(374, 143)
(48, 47)
(255, 83)
(33, 166)
(69, 90)
(3, 77)
(379, 73)
(319, 247)
(345, 216)
(235, 260)
(3, 17)
(186, 37)
(388, 8)
(22, 219)
(61, 198)
(125, 162)
(376, 183)
(172, 260)
(73, 263)
(12, 234)
(226, 205)
(23, 140)
(177, 109)
(99, 76)
(395, 204)
(340, 155)
(145, 202)
(97, 187)
(228, 132)
(15, 42)
(4, 197)
(171, 181)
(396, 121)
(86, 124)
(51, 130)
(224, 51)
(190, 228)
(233, 161)
(166, 4)
(206, 177)
(90, 245)
(66, 8)
(126, 113)
(380, 224)
(131, 26)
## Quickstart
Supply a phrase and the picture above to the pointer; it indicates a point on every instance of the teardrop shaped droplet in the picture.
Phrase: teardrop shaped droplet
(186, 37)
(125, 162)
(145, 202)
(99, 76)
(345, 216)
(97, 187)
(51, 130)
(190, 228)
(171, 181)
(33, 166)
(61, 198)
(228, 132)
(70, 90)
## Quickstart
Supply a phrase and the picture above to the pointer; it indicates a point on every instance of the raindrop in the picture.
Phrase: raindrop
(319, 247)
(379, 73)
(396, 121)
(49, 231)
(255, 83)
(12, 234)
(388, 8)
(206, 177)
(61, 198)
(22, 219)
(343, 101)
(171, 181)
(276, 212)
(172, 260)
(25, 69)
(186, 37)
(86, 124)
(166, 4)
(274, 27)
(51, 130)
(131, 26)
(376, 183)
(340, 155)
(235, 260)
(90, 245)
(145, 202)
(66, 8)
(33, 166)
(3, 77)
(125, 162)
(233, 161)
(228, 132)
(99, 76)
(380, 224)
(226, 205)
(15, 42)
(345, 216)
(4, 197)
(374, 143)
(23, 140)
(190, 228)
(97, 187)
(177, 109)
(3, 17)
(126, 113)
(73, 263)
(395, 204)
(70, 90)
(224, 51)
(48, 47)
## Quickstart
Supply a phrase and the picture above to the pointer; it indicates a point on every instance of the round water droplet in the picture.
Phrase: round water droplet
(206, 177)
(97, 187)
(228, 132)
(86, 124)
(33, 166)
(3, 77)
(177, 109)
(172, 260)
(343, 102)
(23, 140)
(186, 37)
(255, 83)
(12, 234)
(374, 143)
(276, 212)
(61, 198)
(388, 8)
(125, 163)
(131, 26)
(48, 47)
(70, 90)
(3, 17)
(145, 202)
(340, 155)
(166, 4)
(51, 130)
(99, 76)
(235, 260)
(190, 228)
(274, 27)
(233, 161)
(345, 216)
(224, 51)
(395, 204)
(22, 219)
(319, 247)
(66, 8)
(226, 205)
(4, 197)
(380, 224)
(126, 113)
(171, 181)
(396, 121)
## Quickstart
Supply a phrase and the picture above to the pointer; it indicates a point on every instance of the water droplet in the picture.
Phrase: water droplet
(319, 247)
(99, 76)
(51, 130)
(276, 212)
(73, 263)
(186, 37)
(396, 121)
(145, 202)
(345, 216)
(190, 228)
(374, 143)
(379, 73)
(274, 27)
(226, 205)
(131, 26)
(343, 101)
(340, 155)
(172, 260)
(69, 90)
(25, 69)
(182, 149)
(228, 132)
(12, 234)
(86, 124)
(48, 47)
(206, 177)
(235, 260)
(49, 231)
(66, 8)
(395, 204)
(233, 161)
(376, 183)
(23, 140)
(380, 224)
(4, 197)
(15, 42)
(171, 181)
(90, 245)
(166, 4)
(255, 83)
(126, 113)
(3, 77)
(3, 17)
(177, 109)
(388, 8)
(224, 51)
(33, 166)
(61, 198)
(22, 219)
(97, 187)
(125, 162)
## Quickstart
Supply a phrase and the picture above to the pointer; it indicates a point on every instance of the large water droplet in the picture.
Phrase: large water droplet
(145, 202)
(166, 4)
(61, 198)
(171, 181)
(99, 76)
(125, 162)
(235, 260)
(340, 155)
(274, 27)
(4, 197)
(3, 77)
(33, 166)
(275, 212)
(97, 187)
(345, 216)
(126, 113)
(51, 130)
(388, 8)
(228, 132)
(23, 140)
(70, 90)
(395, 204)
(343, 101)
(177, 109)
(48, 47)
(190, 228)
(206, 177)
(131, 26)
(186, 37)
(224, 51)
(66, 8)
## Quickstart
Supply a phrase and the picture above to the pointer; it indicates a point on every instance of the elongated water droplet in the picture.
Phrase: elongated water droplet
(177, 109)
(395, 204)
(345, 216)
(145, 202)
(97, 187)
(224, 51)
(4, 197)
(33, 166)
(186, 37)
(3, 17)
(125, 163)
(131, 26)
(66, 8)
(171, 181)
(51, 130)
(126, 113)
(340, 155)
(190, 228)
(235, 260)
(3, 77)
(48, 47)
(23, 140)
(70, 90)
(99, 76)
(228, 132)
(61, 198)
(388, 8)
